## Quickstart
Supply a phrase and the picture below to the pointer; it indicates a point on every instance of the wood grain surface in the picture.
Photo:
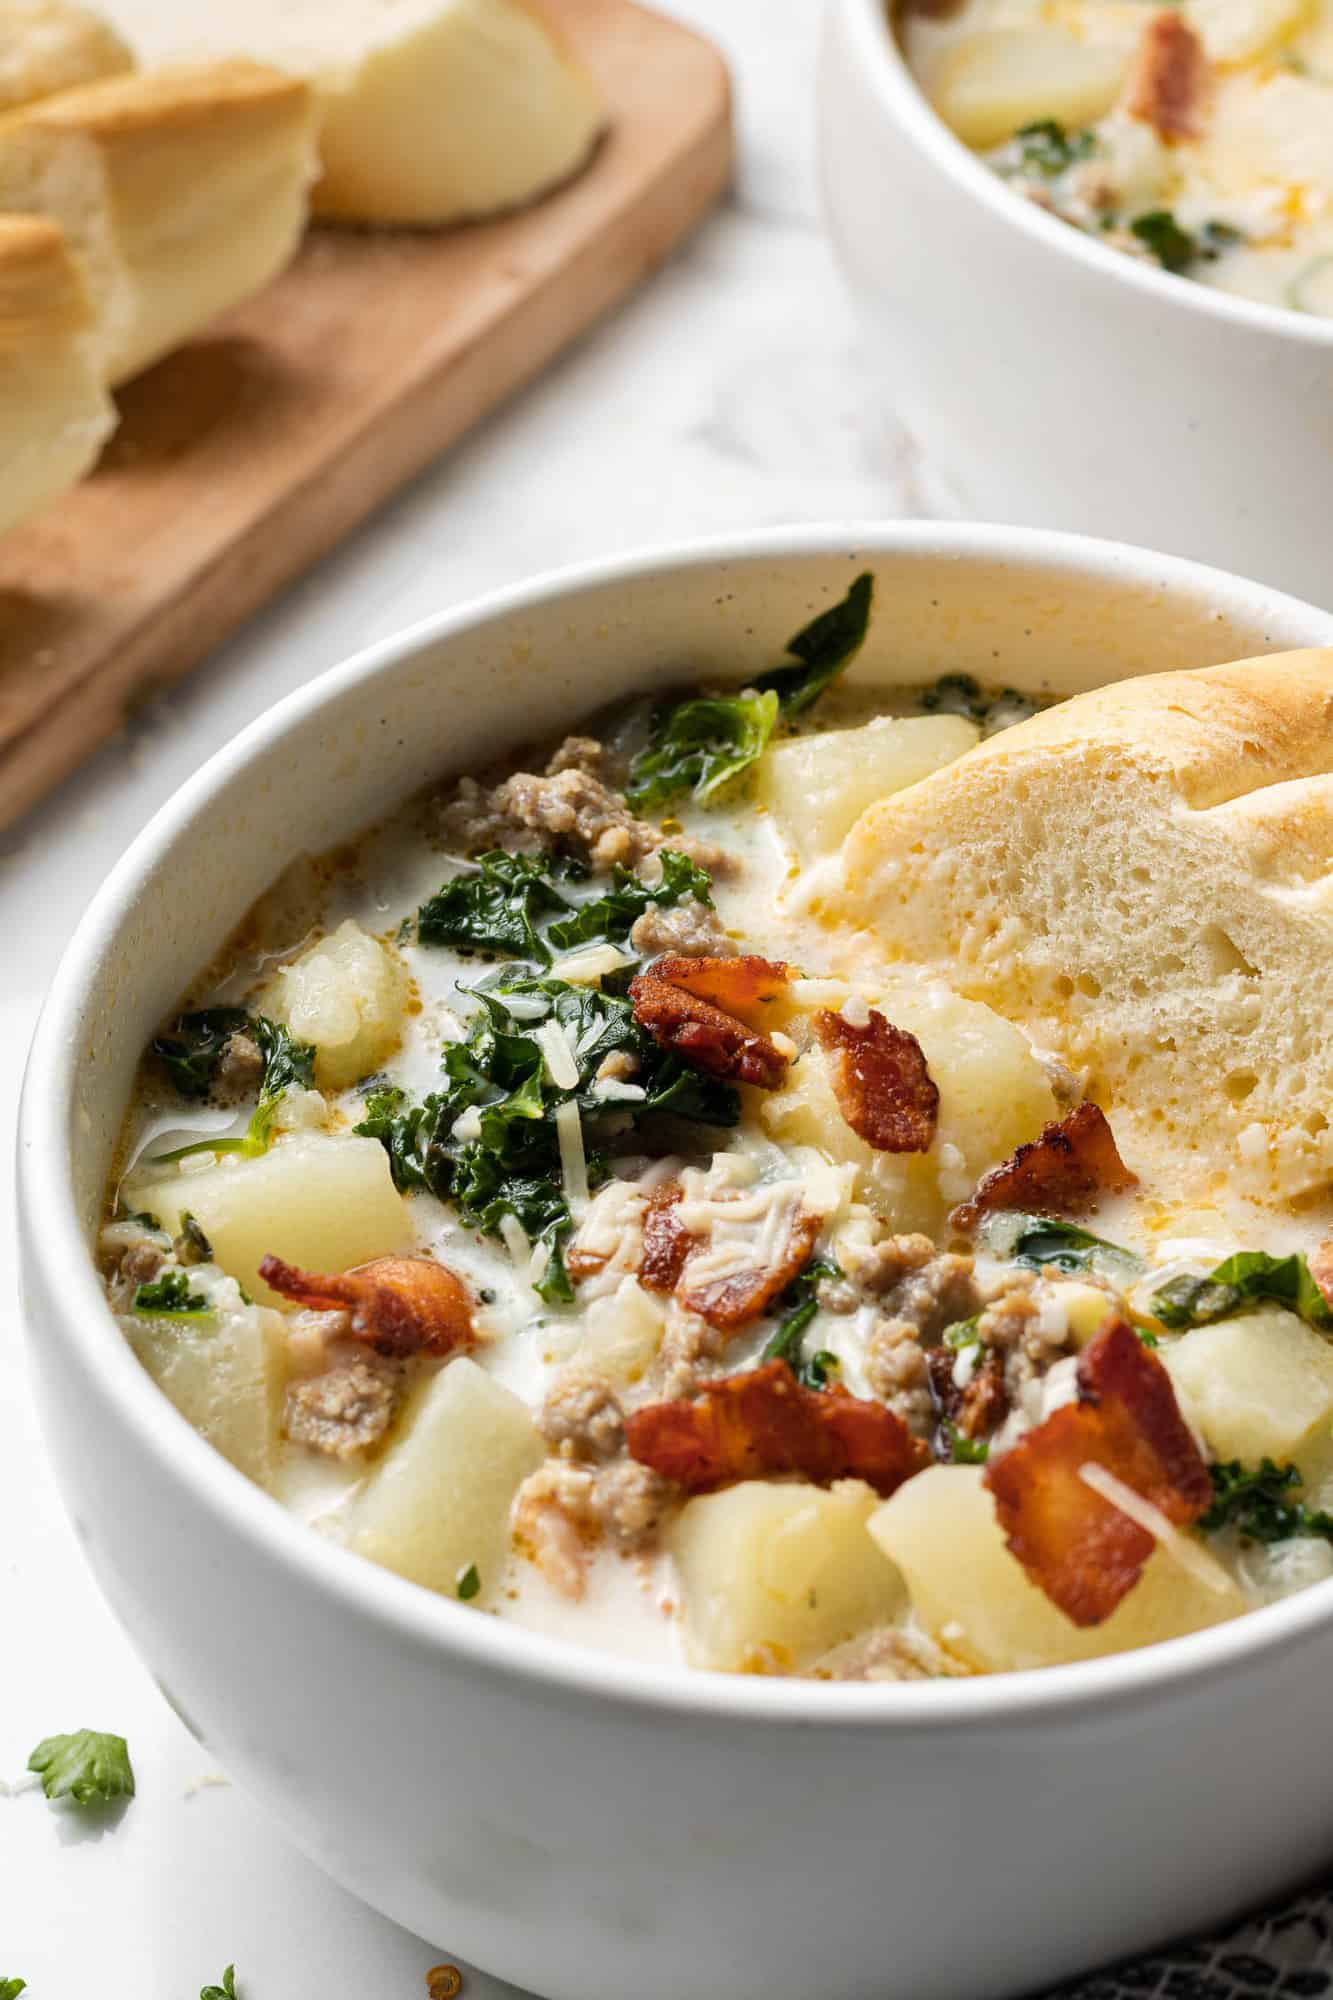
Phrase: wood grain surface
(247, 454)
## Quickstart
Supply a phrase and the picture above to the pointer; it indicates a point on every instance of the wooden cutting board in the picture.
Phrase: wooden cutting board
(246, 455)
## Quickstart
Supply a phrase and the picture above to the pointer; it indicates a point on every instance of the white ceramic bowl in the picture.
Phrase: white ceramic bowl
(1055, 380)
(575, 1823)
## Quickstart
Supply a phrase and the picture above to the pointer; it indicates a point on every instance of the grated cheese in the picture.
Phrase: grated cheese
(592, 963)
(467, 1125)
(1179, 1547)
(615, 1091)
(856, 1011)
(573, 1159)
(516, 1239)
(560, 1064)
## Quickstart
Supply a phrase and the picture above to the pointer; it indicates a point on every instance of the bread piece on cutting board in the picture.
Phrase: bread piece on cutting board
(50, 45)
(54, 412)
(181, 192)
(1143, 876)
(432, 111)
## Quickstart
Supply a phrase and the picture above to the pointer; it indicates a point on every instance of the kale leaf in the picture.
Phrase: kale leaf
(1046, 1241)
(962, 694)
(1159, 232)
(11, 1988)
(88, 1767)
(469, 1582)
(1045, 147)
(823, 649)
(612, 916)
(799, 1304)
(288, 1064)
(1250, 1278)
(171, 1294)
(495, 908)
(964, 1450)
(1253, 1504)
(192, 1050)
(227, 1990)
(700, 745)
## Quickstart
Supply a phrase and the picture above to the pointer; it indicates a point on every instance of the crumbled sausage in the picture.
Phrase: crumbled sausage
(629, 1500)
(898, 1372)
(240, 1069)
(343, 1412)
(928, 1288)
(582, 1416)
(578, 753)
(141, 1262)
(889, 1653)
(691, 928)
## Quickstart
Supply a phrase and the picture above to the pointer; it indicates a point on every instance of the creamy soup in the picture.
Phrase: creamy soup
(1199, 137)
(551, 1198)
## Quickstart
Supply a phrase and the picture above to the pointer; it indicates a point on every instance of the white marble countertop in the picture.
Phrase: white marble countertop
(729, 393)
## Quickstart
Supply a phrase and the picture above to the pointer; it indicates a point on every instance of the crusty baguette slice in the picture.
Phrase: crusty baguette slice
(54, 412)
(432, 110)
(1144, 877)
(181, 192)
(50, 45)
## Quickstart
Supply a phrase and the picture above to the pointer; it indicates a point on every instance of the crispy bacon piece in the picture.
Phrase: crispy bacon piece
(880, 1079)
(1170, 77)
(672, 1002)
(730, 1302)
(1061, 1172)
(977, 1410)
(1076, 1545)
(747, 1426)
(399, 1305)
(666, 1241)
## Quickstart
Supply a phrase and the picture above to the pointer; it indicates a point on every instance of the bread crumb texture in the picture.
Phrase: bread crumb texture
(1143, 877)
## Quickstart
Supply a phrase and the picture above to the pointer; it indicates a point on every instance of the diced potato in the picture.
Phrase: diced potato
(817, 786)
(773, 1576)
(974, 1598)
(346, 995)
(439, 1499)
(1237, 31)
(326, 1202)
(1260, 1386)
(225, 1374)
(994, 1095)
(1000, 79)
(622, 1333)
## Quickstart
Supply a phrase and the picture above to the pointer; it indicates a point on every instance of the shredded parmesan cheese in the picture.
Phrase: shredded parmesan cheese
(560, 1064)
(614, 1091)
(573, 1159)
(856, 1011)
(593, 963)
(1179, 1547)
(516, 1239)
(467, 1125)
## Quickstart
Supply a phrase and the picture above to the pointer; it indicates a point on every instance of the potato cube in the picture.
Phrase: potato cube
(817, 786)
(975, 1599)
(1000, 79)
(1238, 31)
(438, 1501)
(346, 995)
(1260, 1386)
(225, 1374)
(323, 1201)
(772, 1576)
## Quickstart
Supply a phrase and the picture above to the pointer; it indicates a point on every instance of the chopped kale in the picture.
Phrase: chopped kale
(1046, 1241)
(1250, 1278)
(227, 1990)
(798, 1305)
(87, 1767)
(1159, 232)
(702, 744)
(171, 1294)
(1045, 147)
(198, 1245)
(469, 1582)
(1253, 1503)
(961, 694)
(698, 746)
(495, 908)
(11, 1988)
(823, 649)
(612, 916)
(193, 1049)
(288, 1064)
(964, 1450)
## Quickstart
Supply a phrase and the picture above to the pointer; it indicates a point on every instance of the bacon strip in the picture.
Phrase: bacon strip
(671, 1001)
(1062, 1171)
(730, 1302)
(748, 1426)
(1074, 1544)
(1170, 77)
(398, 1305)
(666, 1241)
(880, 1079)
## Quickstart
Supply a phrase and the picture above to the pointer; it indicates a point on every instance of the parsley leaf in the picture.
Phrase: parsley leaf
(227, 1990)
(1038, 1241)
(799, 1304)
(823, 649)
(88, 1767)
(1250, 1278)
(612, 916)
(171, 1294)
(1252, 1503)
(1045, 147)
(698, 746)
(495, 908)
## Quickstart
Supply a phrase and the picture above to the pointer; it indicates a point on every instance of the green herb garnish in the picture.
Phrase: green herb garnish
(88, 1767)
(961, 694)
(171, 1294)
(612, 916)
(1250, 1278)
(11, 1988)
(799, 1304)
(1045, 1241)
(1159, 232)
(469, 1582)
(1045, 147)
(1253, 1504)
(964, 1450)
(227, 1990)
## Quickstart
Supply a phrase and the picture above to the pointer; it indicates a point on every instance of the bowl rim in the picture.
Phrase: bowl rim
(54, 1256)
(881, 60)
